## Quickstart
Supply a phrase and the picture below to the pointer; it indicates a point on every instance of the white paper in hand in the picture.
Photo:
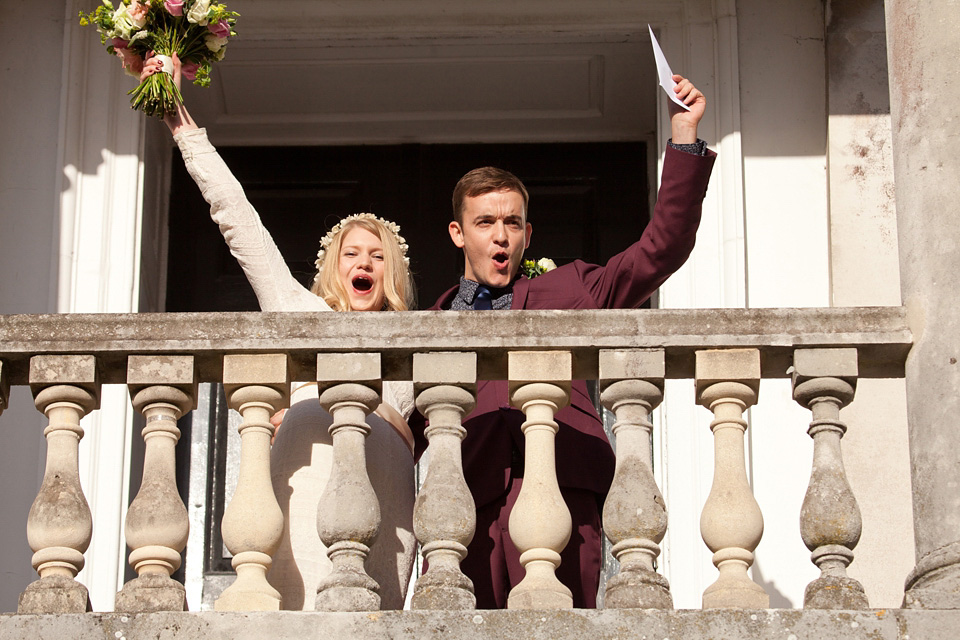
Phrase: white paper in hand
(663, 70)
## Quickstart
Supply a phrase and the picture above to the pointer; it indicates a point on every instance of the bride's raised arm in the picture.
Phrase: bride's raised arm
(249, 241)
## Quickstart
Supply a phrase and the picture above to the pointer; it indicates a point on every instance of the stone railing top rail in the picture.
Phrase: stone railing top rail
(880, 334)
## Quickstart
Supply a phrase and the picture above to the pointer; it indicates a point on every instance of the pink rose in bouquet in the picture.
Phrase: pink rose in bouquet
(196, 30)
(220, 29)
(138, 12)
(175, 7)
(132, 63)
(188, 70)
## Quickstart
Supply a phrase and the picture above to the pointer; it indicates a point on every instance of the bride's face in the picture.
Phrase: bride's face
(360, 269)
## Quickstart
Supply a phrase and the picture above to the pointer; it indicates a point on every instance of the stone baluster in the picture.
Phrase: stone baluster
(59, 526)
(445, 517)
(348, 514)
(540, 522)
(634, 514)
(256, 386)
(727, 383)
(4, 386)
(824, 380)
(162, 388)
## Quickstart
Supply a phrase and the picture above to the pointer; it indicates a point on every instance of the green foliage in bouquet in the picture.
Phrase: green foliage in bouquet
(196, 30)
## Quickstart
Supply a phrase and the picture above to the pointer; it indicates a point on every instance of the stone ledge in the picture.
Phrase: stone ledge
(717, 624)
(880, 335)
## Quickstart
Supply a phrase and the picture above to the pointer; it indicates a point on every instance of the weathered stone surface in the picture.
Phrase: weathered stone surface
(444, 517)
(927, 194)
(151, 593)
(79, 371)
(456, 369)
(821, 363)
(758, 624)
(55, 369)
(634, 513)
(728, 365)
(638, 590)
(880, 334)
(835, 592)
(54, 594)
(348, 367)
(267, 370)
(629, 364)
(173, 371)
(448, 590)
(526, 367)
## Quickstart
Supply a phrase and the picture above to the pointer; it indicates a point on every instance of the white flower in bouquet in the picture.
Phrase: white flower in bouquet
(123, 25)
(214, 43)
(199, 12)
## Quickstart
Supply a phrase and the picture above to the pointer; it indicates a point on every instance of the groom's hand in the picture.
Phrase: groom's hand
(683, 123)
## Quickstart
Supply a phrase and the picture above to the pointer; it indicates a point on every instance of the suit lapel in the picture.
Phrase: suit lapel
(520, 288)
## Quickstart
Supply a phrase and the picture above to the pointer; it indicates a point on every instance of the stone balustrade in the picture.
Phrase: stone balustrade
(162, 357)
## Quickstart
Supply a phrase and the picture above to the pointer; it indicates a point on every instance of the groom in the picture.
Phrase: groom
(490, 225)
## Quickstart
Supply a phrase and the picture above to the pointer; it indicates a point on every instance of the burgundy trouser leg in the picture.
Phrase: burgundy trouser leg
(493, 563)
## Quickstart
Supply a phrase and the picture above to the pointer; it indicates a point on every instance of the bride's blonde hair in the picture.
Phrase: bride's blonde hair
(398, 285)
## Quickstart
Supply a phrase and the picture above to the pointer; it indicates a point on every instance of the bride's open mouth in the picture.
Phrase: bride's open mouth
(362, 283)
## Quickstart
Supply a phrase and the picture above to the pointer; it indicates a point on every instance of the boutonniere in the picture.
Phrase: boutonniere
(534, 268)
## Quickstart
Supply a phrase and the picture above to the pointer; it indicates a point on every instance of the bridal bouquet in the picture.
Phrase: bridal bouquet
(196, 30)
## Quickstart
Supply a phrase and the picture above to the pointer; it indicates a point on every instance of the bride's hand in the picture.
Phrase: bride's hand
(180, 119)
(152, 64)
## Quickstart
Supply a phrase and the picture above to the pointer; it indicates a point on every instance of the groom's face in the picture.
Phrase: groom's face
(493, 235)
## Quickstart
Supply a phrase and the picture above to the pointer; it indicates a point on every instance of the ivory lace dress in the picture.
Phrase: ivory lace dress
(302, 455)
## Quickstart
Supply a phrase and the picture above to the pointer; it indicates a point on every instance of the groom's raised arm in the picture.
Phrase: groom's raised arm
(630, 277)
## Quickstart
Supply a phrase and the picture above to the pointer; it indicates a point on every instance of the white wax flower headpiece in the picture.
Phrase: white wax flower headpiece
(327, 240)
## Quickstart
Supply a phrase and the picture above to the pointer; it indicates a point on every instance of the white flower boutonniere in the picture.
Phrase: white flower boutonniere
(534, 268)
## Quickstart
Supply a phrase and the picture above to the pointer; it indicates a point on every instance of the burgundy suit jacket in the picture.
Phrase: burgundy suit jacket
(585, 459)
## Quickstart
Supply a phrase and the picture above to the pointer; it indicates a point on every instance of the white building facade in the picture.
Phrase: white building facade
(800, 211)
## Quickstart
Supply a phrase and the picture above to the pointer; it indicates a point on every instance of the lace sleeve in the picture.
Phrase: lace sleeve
(249, 241)
(399, 395)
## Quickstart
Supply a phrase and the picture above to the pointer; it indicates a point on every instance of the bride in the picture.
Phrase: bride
(361, 266)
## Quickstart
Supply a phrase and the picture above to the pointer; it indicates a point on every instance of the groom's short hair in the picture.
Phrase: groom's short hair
(484, 180)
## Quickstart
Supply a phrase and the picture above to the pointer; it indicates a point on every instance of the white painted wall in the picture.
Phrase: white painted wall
(29, 115)
(783, 115)
(69, 201)
(865, 271)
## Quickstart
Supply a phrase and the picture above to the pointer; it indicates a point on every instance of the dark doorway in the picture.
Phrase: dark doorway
(587, 200)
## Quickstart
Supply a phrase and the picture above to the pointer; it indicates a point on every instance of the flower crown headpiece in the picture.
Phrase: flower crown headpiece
(327, 240)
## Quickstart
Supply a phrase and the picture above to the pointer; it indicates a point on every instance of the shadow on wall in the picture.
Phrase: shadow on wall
(778, 600)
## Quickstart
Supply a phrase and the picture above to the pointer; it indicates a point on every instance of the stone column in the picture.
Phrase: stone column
(348, 514)
(540, 522)
(824, 380)
(162, 388)
(634, 515)
(731, 524)
(257, 386)
(59, 526)
(445, 516)
(922, 42)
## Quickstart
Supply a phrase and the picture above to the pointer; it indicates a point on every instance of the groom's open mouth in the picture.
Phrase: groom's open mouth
(501, 260)
(362, 283)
